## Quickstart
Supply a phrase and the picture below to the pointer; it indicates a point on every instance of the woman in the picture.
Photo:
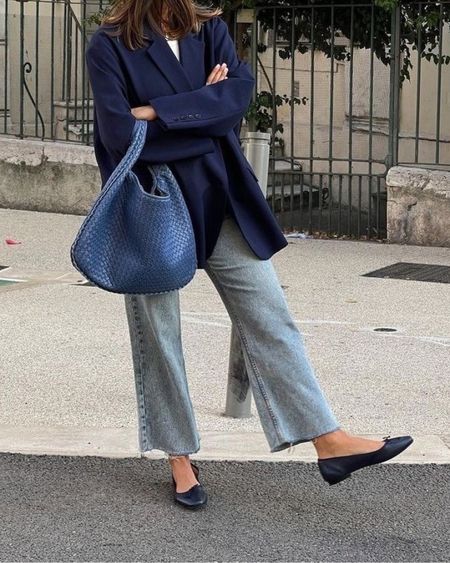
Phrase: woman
(173, 63)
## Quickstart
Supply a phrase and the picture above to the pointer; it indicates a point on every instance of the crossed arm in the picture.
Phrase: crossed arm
(218, 106)
(218, 73)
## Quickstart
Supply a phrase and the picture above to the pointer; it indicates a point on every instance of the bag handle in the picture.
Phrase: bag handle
(134, 150)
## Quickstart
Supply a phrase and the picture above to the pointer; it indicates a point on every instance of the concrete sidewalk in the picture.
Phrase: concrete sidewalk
(67, 380)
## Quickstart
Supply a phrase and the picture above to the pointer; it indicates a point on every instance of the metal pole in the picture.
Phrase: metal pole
(394, 105)
(239, 396)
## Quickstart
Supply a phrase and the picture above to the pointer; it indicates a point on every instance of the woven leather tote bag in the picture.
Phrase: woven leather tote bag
(137, 241)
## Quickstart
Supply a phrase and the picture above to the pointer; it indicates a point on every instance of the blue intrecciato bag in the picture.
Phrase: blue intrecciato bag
(137, 241)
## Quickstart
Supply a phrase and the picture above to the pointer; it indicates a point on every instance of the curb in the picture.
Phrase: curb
(217, 446)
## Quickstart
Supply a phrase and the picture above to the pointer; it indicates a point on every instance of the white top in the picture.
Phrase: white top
(173, 43)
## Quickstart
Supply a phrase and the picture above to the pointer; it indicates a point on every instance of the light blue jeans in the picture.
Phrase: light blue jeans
(290, 403)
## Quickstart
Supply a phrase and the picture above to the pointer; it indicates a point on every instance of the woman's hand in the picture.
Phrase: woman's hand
(146, 113)
(218, 73)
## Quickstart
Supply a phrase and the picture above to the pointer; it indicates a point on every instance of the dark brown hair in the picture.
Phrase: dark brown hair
(178, 16)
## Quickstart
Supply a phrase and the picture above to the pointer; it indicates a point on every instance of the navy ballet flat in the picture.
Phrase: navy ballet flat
(336, 469)
(193, 498)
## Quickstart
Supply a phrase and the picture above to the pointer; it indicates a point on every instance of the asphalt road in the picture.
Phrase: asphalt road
(56, 508)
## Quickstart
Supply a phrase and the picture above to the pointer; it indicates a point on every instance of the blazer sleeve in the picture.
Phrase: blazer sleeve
(214, 109)
(115, 120)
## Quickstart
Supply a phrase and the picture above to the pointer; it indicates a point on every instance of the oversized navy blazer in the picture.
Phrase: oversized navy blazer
(196, 132)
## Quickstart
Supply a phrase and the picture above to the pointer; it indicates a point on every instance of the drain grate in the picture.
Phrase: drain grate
(413, 271)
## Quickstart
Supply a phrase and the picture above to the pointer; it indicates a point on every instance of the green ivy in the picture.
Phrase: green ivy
(230, 5)
(365, 27)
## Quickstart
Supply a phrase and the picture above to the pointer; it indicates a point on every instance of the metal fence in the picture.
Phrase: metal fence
(364, 89)
(44, 89)
(347, 89)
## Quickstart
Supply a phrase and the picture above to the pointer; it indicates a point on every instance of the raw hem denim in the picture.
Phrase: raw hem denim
(287, 445)
(290, 403)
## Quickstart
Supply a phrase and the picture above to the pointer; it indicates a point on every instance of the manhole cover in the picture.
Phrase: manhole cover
(413, 271)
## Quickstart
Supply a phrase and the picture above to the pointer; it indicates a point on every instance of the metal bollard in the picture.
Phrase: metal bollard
(239, 396)
(256, 148)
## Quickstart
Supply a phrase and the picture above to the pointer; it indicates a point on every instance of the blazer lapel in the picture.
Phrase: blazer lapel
(185, 74)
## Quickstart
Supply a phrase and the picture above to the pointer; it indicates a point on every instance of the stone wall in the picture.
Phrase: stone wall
(46, 176)
(418, 206)
(64, 178)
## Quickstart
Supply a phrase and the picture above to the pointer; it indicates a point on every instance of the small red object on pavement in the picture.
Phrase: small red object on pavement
(12, 241)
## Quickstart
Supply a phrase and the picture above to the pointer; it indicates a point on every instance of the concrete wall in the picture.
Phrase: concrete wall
(427, 113)
(418, 206)
(324, 71)
(364, 147)
(47, 71)
(39, 176)
(64, 178)
(58, 94)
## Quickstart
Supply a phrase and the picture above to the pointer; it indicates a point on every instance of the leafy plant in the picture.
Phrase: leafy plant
(260, 114)
(317, 25)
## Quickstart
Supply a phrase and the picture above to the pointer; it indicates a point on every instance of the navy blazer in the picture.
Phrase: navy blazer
(196, 132)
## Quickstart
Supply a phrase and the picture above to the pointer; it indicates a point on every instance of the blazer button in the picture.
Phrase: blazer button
(197, 115)
(190, 116)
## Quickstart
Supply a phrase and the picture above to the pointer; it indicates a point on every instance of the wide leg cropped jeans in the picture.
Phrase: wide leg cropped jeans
(290, 403)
